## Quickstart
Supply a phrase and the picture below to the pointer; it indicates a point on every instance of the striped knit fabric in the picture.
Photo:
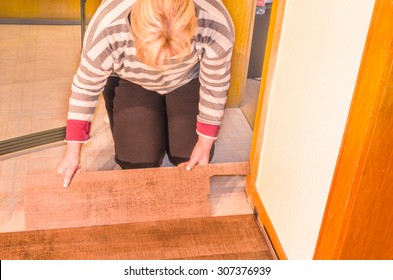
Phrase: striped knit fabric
(109, 47)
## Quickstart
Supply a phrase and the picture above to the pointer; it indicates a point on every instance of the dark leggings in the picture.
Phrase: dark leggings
(146, 125)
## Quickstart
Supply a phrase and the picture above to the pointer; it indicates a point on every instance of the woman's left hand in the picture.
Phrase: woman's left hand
(201, 152)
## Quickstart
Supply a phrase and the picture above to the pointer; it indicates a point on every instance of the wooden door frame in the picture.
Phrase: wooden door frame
(372, 80)
(372, 84)
(269, 65)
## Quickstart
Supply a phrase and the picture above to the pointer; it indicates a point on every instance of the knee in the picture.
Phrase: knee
(176, 160)
(136, 165)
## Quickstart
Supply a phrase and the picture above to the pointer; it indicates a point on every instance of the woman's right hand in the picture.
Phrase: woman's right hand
(70, 162)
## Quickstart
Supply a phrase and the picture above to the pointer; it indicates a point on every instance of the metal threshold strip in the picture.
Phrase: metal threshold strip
(32, 140)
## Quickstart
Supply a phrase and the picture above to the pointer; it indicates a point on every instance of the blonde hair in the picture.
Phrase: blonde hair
(163, 29)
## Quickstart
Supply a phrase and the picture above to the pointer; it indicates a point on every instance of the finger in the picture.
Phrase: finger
(61, 169)
(69, 173)
(191, 164)
(204, 161)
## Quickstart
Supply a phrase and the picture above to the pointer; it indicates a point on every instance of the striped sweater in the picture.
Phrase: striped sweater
(110, 48)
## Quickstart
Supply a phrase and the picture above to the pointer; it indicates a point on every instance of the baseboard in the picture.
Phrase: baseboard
(265, 221)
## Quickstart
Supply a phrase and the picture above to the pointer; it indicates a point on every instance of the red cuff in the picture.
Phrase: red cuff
(208, 129)
(78, 130)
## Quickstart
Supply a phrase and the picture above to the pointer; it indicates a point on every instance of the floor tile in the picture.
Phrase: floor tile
(48, 71)
(47, 121)
(8, 68)
(51, 150)
(18, 127)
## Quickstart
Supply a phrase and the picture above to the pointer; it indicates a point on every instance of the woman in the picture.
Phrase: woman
(163, 67)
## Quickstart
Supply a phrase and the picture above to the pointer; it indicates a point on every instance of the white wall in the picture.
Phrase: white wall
(318, 60)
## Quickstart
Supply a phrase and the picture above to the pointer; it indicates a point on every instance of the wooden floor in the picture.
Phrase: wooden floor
(219, 238)
(122, 196)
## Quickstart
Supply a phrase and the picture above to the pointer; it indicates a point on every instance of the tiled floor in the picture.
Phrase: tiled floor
(37, 64)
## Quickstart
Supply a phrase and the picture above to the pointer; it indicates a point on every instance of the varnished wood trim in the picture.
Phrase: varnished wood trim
(264, 219)
(269, 65)
(370, 88)
(273, 39)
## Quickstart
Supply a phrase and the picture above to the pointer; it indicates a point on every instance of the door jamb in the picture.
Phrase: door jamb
(269, 64)
(368, 95)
